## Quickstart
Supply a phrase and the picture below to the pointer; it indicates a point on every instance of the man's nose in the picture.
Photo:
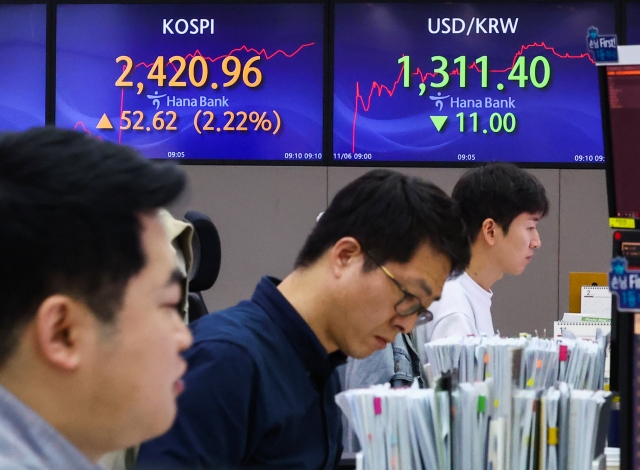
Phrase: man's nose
(536, 242)
(405, 324)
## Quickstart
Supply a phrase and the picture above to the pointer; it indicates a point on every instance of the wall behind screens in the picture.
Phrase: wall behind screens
(467, 82)
(195, 82)
(23, 58)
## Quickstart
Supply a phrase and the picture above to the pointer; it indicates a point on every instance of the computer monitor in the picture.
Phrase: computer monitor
(620, 96)
(461, 83)
(204, 83)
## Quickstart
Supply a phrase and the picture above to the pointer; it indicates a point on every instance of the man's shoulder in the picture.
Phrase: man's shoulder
(244, 330)
(243, 319)
(454, 296)
(374, 369)
(454, 286)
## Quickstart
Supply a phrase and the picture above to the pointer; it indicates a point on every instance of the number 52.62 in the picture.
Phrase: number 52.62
(158, 121)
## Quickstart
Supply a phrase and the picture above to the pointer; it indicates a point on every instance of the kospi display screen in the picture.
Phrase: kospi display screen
(23, 58)
(436, 82)
(226, 82)
(633, 23)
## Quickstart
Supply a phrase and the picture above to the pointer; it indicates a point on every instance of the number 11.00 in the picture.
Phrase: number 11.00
(497, 122)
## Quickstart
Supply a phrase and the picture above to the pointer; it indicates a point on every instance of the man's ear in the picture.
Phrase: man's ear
(61, 326)
(344, 253)
(489, 231)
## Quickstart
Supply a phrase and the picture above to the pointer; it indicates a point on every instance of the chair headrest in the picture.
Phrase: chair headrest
(206, 252)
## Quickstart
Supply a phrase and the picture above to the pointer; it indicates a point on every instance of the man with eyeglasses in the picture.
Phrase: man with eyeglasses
(260, 387)
(501, 205)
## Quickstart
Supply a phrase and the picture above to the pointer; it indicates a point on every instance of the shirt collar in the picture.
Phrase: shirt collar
(33, 439)
(318, 363)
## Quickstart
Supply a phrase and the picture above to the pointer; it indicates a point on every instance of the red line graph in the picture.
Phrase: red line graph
(238, 49)
(379, 88)
(81, 125)
(261, 52)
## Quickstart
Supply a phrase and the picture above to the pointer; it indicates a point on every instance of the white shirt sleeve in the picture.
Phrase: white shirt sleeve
(454, 323)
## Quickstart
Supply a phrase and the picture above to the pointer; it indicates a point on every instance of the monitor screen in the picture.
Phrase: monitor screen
(623, 110)
(23, 55)
(468, 82)
(633, 23)
(214, 82)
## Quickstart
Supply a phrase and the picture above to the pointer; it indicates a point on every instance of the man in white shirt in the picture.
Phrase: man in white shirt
(501, 205)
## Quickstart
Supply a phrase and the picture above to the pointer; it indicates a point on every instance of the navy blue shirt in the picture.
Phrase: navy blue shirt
(259, 392)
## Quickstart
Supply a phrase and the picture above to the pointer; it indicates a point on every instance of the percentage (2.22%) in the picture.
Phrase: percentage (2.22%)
(237, 121)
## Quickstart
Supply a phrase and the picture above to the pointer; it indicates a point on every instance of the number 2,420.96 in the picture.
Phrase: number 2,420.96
(197, 71)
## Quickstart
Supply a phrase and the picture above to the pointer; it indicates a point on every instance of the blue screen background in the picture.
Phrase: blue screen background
(376, 117)
(288, 38)
(23, 77)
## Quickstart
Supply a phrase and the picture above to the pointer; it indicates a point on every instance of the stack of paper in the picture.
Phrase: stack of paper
(405, 429)
(586, 363)
(523, 403)
(400, 429)
(580, 362)
(472, 415)
(584, 415)
(541, 363)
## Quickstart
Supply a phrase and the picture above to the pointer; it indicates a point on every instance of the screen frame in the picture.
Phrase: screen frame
(455, 164)
(328, 78)
(628, 55)
(326, 126)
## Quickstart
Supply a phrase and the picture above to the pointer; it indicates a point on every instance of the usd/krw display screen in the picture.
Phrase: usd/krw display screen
(435, 82)
(633, 23)
(195, 82)
(23, 56)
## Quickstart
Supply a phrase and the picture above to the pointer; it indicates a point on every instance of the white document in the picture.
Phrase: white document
(595, 301)
(497, 440)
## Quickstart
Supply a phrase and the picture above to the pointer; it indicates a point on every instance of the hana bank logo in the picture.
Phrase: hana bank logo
(438, 100)
(155, 99)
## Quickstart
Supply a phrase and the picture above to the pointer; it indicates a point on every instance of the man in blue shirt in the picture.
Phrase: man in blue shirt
(260, 387)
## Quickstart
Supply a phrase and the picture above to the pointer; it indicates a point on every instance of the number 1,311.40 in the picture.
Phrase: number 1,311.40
(539, 71)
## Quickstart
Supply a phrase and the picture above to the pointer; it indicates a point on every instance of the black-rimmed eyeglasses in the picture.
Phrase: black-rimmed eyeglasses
(409, 304)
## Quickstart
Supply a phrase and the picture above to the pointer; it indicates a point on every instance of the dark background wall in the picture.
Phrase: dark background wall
(264, 214)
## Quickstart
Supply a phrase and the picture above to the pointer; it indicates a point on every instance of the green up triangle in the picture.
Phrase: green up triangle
(438, 121)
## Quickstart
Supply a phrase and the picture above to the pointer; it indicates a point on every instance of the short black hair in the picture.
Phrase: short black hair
(391, 215)
(498, 191)
(69, 221)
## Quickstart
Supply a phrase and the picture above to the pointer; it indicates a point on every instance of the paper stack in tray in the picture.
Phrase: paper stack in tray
(496, 403)
(400, 428)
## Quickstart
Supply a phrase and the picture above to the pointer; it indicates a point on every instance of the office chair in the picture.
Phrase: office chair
(206, 262)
